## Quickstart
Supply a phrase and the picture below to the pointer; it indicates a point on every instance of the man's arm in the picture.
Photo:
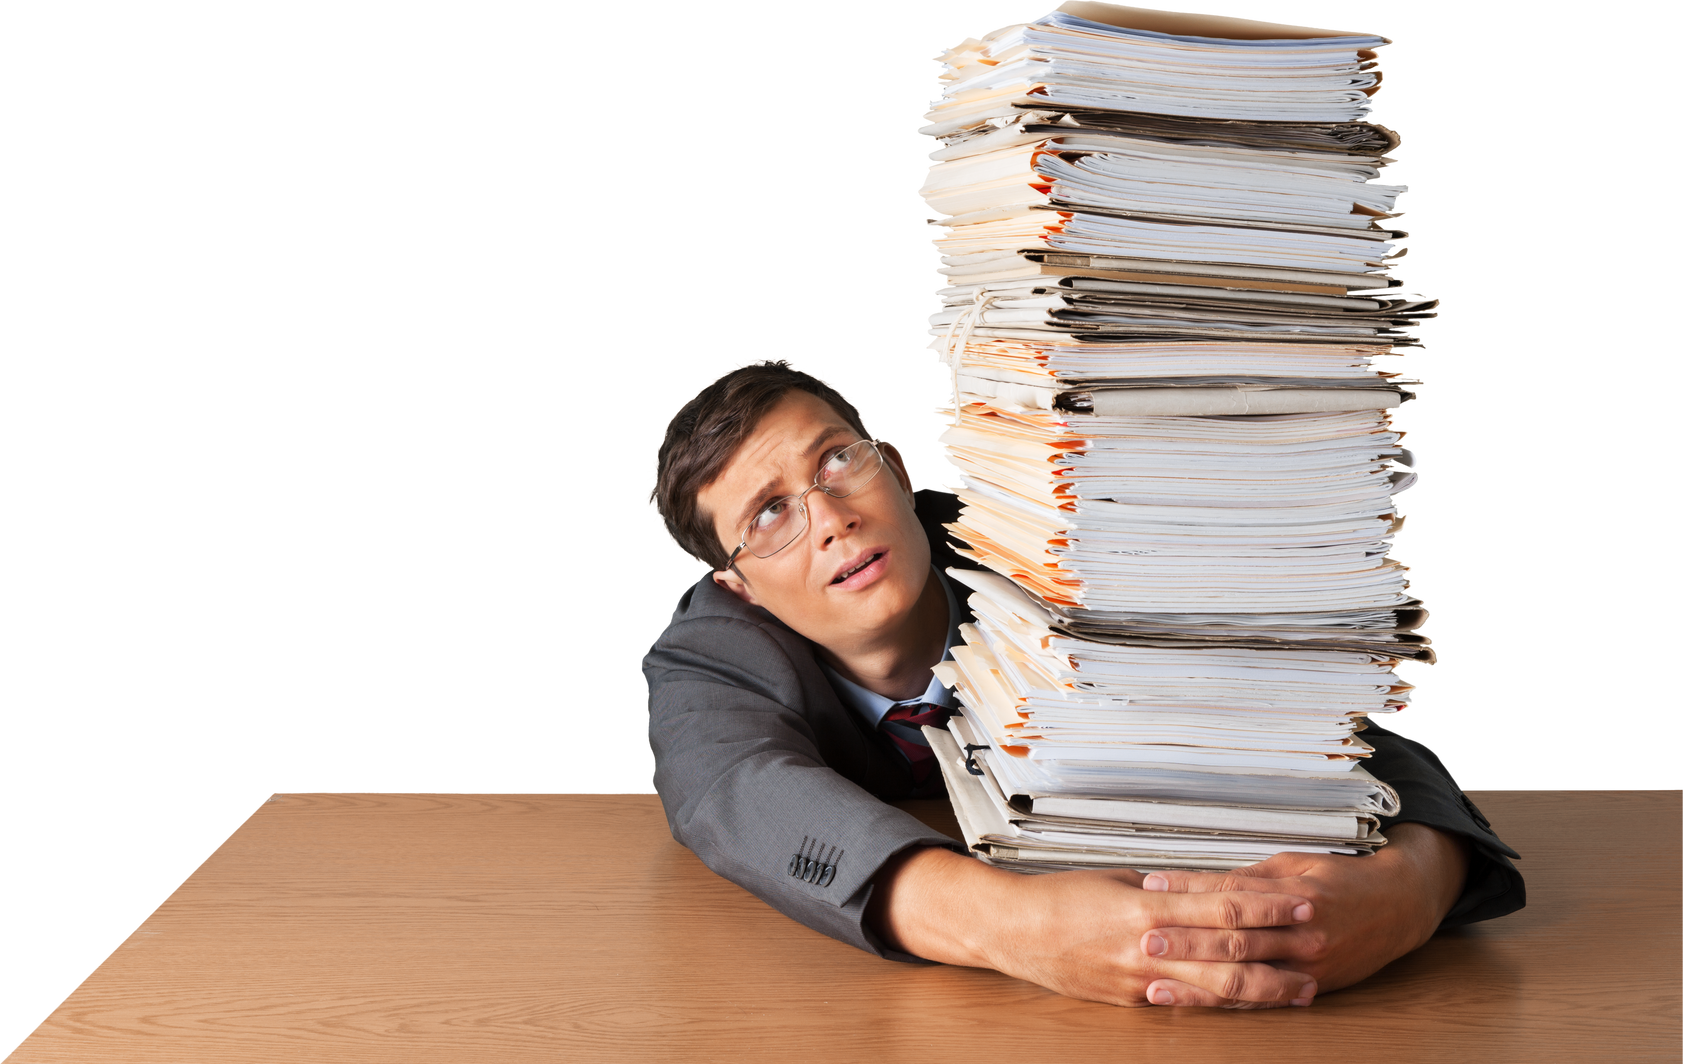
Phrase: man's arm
(740, 771)
(1493, 886)
(1079, 933)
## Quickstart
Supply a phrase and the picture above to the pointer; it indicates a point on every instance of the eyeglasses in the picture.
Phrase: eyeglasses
(781, 521)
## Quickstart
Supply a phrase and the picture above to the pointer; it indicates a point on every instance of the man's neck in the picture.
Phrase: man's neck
(895, 662)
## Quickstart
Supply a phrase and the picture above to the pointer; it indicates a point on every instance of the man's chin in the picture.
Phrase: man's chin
(849, 612)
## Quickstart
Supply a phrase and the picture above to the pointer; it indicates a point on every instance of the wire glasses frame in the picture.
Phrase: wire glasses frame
(781, 521)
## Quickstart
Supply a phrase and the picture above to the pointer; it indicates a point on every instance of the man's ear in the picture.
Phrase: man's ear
(733, 583)
(898, 466)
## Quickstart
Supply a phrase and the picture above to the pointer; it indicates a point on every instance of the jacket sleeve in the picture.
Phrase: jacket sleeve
(739, 771)
(1430, 796)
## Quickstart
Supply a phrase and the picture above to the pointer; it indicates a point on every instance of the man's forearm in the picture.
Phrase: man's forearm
(916, 895)
(1435, 860)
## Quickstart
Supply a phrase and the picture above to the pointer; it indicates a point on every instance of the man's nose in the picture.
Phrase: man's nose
(831, 517)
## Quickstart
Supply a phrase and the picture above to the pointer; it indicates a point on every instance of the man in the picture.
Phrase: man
(783, 704)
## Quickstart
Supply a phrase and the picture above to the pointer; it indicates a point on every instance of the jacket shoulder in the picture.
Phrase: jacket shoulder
(705, 598)
(715, 635)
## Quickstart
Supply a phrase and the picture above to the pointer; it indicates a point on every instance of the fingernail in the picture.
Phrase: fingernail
(1302, 912)
(1306, 993)
(1163, 997)
(1155, 946)
(1156, 882)
(1302, 1001)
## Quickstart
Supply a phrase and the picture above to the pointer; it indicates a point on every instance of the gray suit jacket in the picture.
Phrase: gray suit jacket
(778, 787)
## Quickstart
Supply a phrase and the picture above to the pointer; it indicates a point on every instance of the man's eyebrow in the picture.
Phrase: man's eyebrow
(824, 437)
(752, 506)
(764, 494)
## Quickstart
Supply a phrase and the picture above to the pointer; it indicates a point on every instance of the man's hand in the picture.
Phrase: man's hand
(1368, 910)
(1079, 933)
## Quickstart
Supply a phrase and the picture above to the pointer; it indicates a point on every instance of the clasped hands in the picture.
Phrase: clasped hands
(1273, 934)
(1365, 913)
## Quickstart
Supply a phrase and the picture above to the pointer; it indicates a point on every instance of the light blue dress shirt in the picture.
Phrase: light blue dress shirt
(871, 706)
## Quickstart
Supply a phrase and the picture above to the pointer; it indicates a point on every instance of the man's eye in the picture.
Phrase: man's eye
(772, 514)
(838, 463)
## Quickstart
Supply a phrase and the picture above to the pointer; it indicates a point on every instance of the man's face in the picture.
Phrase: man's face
(872, 537)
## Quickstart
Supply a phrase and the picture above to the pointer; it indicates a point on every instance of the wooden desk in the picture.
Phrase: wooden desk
(501, 929)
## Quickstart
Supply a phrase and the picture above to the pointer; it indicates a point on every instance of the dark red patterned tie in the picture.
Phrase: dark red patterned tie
(904, 724)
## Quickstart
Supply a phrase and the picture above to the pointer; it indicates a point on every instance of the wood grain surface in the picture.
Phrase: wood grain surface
(414, 928)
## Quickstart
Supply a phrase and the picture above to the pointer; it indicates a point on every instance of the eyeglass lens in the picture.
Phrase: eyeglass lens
(781, 521)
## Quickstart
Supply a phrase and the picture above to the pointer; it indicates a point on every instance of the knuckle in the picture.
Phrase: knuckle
(1231, 912)
(1234, 947)
(1232, 985)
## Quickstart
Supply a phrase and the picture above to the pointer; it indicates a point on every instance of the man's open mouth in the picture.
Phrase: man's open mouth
(845, 573)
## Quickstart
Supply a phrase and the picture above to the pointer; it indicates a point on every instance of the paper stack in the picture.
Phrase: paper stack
(1167, 291)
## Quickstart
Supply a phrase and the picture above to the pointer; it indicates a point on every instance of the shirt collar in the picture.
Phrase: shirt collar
(872, 706)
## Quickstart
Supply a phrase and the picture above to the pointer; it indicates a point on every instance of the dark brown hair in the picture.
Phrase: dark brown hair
(708, 430)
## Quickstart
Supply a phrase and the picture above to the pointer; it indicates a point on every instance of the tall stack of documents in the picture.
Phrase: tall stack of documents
(1168, 303)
